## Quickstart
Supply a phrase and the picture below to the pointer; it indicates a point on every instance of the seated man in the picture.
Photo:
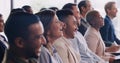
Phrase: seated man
(108, 30)
(25, 35)
(62, 44)
(93, 37)
(79, 43)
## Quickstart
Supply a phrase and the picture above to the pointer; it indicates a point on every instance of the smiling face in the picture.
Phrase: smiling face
(55, 29)
(35, 40)
(71, 26)
(88, 6)
(99, 20)
(113, 11)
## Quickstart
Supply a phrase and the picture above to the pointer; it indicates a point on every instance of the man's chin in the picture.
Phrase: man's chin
(35, 56)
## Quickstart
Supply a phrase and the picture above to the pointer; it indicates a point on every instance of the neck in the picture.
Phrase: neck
(96, 28)
(83, 15)
(66, 36)
(51, 39)
(110, 16)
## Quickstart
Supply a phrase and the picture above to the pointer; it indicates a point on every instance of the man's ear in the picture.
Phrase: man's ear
(64, 26)
(19, 42)
(108, 10)
(48, 32)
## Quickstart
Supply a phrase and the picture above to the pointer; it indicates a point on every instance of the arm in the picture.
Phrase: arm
(108, 43)
(117, 40)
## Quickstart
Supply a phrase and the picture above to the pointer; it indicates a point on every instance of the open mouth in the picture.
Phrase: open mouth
(76, 29)
(61, 29)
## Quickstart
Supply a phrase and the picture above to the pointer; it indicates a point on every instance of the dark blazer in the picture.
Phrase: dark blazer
(108, 32)
(2, 51)
(3, 47)
(83, 27)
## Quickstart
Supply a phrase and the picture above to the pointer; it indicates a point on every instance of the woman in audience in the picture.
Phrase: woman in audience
(53, 30)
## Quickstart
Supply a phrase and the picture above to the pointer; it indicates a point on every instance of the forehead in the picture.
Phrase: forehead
(113, 6)
(36, 27)
(55, 17)
(71, 18)
(97, 15)
(75, 8)
(88, 3)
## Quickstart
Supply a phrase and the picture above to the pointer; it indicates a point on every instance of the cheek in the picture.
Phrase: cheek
(55, 29)
(71, 28)
(101, 23)
(36, 44)
(113, 12)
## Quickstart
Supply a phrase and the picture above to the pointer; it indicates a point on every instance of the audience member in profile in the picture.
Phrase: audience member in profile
(53, 31)
(94, 39)
(84, 6)
(108, 30)
(25, 36)
(63, 46)
(78, 42)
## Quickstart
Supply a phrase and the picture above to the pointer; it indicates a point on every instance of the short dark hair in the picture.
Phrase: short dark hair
(17, 25)
(26, 7)
(82, 4)
(90, 16)
(54, 8)
(63, 14)
(16, 10)
(69, 6)
(42, 9)
(46, 17)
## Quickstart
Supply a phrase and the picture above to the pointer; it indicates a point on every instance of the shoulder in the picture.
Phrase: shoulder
(107, 20)
(44, 51)
(59, 42)
(91, 32)
(91, 35)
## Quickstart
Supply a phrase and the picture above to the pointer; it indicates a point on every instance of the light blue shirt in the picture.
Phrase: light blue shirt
(80, 45)
(46, 57)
